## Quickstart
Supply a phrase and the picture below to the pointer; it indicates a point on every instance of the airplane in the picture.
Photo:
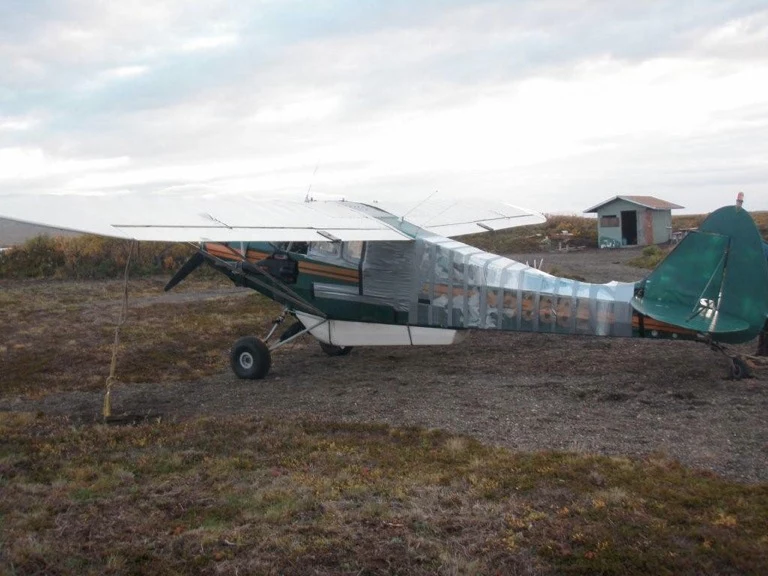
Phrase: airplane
(381, 274)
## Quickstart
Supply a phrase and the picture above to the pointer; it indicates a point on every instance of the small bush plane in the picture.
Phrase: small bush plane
(357, 274)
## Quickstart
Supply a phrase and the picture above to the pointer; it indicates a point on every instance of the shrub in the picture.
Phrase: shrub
(651, 257)
(36, 258)
(89, 257)
(652, 251)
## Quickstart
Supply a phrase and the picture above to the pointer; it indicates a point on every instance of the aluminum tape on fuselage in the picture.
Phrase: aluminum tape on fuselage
(444, 283)
(389, 269)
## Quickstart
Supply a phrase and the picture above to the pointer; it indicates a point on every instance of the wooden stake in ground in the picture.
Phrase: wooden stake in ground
(107, 409)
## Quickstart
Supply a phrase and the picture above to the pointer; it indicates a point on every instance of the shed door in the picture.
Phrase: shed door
(648, 228)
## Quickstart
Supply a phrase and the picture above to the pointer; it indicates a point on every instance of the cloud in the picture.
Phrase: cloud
(125, 72)
(208, 42)
(18, 123)
(565, 100)
(34, 163)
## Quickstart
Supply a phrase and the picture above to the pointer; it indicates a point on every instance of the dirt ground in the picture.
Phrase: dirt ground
(526, 392)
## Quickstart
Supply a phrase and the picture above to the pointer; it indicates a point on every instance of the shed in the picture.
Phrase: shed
(633, 221)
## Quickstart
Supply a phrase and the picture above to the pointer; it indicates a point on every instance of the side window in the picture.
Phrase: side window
(297, 247)
(353, 251)
(325, 249)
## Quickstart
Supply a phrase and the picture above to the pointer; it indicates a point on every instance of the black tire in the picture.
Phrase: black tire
(739, 369)
(292, 330)
(250, 358)
(332, 350)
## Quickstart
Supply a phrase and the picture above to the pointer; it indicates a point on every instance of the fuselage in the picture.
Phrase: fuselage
(436, 282)
(713, 286)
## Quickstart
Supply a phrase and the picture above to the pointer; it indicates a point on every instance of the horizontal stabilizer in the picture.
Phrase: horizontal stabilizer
(705, 321)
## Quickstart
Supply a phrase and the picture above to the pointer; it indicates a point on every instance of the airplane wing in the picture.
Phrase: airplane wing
(178, 219)
(251, 219)
(456, 217)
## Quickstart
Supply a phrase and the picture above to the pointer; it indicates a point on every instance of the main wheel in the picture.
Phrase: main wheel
(250, 358)
(333, 350)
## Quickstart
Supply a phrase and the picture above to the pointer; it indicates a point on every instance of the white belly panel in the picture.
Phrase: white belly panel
(343, 333)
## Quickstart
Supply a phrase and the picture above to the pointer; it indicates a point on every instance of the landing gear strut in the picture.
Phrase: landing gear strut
(739, 369)
(737, 366)
(251, 357)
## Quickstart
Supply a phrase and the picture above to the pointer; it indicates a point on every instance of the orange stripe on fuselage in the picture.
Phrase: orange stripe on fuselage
(305, 267)
(651, 324)
(222, 251)
(331, 271)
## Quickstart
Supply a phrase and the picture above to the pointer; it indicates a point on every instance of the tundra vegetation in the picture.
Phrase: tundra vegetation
(241, 494)
(245, 495)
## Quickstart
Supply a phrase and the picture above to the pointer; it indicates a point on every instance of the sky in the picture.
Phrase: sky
(554, 105)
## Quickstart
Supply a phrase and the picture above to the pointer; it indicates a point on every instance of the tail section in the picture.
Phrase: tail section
(714, 282)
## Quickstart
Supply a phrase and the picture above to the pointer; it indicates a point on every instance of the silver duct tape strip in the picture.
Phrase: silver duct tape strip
(444, 283)
(467, 288)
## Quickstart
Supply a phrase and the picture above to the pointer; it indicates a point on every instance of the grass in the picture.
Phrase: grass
(88, 257)
(537, 238)
(244, 495)
(584, 231)
(650, 257)
(58, 335)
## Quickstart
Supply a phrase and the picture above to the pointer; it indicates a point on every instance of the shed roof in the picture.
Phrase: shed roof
(644, 201)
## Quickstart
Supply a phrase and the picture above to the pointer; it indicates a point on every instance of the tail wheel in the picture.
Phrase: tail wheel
(739, 369)
(250, 358)
(332, 350)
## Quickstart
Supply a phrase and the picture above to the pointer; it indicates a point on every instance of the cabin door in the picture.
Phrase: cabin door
(629, 227)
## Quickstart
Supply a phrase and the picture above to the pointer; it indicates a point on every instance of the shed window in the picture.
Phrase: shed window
(609, 222)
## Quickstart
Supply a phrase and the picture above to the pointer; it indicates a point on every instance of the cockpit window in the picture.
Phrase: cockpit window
(353, 251)
(297, 247)
(325, 249)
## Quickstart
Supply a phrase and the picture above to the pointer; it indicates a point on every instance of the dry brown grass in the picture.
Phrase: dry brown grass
(535, 238)
(584, 230)
(234, 495)
(245, 495)
(58, 335)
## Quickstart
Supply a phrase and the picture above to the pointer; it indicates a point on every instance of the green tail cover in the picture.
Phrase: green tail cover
(715, 281)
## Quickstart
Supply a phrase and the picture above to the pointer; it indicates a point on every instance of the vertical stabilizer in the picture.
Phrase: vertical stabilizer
(715, 281)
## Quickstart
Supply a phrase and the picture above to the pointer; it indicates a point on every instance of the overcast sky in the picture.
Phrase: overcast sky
(554, 105)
